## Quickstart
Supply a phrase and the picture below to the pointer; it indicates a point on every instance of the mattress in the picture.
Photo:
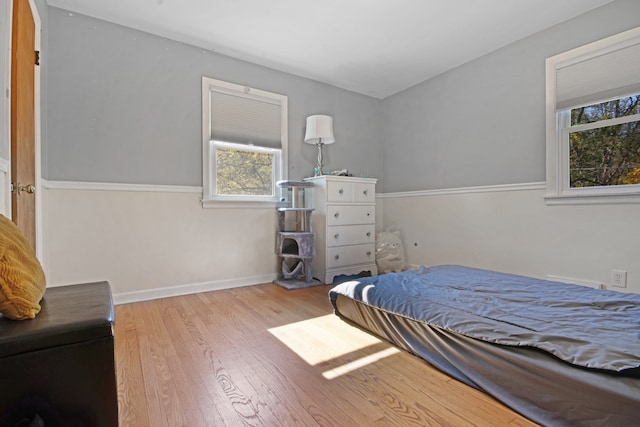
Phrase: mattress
(559, 354)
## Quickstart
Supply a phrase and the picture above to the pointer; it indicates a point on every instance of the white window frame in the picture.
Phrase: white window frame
(209, 196)
(558, 128)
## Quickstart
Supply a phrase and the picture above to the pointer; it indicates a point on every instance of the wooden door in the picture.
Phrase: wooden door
(23, 130)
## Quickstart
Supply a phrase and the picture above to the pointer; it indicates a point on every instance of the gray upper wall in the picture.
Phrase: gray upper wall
(483, 123)
(124, 106)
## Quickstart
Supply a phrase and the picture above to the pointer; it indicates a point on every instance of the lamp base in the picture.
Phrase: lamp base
(317, 171)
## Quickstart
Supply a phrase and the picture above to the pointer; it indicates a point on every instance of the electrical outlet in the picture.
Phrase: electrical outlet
(619, 278)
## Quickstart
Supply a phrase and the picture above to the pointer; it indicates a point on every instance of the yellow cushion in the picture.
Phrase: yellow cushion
(22, 281)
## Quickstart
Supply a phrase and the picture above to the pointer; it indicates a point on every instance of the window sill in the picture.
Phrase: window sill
(593, 199)
(238, 204)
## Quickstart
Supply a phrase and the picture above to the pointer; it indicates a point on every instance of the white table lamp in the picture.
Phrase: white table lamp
(319, 132)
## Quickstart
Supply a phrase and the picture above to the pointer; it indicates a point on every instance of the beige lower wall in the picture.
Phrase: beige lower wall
(515, 231)
(163, 243)
(154, 244)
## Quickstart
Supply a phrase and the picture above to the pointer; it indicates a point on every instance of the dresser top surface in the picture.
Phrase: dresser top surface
(342, 178)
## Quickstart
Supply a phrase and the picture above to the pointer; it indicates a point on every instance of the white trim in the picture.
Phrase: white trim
(194, 288)
(593, 199)
(591, 50)
(338, 178)
(153, 188)
(589, 283)
(206, 137)
(5, 138)
(5, 121)
(553, 148)
(5, 165)
(108, 186)
(111, 186)
(238, 204)
(5, 192)
(466, 190)
(245, 147)
(603, 123)
(38, 134)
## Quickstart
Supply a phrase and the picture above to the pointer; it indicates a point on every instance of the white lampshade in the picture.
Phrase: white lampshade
(319, 130)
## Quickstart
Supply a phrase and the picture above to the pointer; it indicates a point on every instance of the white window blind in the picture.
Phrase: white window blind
(245, 119)
(606, 74)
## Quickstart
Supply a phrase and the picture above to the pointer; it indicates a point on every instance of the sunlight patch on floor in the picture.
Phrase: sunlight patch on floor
(357, 364)
(322, 338)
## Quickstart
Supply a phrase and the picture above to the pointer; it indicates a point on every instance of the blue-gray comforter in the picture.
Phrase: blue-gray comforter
(586, 327)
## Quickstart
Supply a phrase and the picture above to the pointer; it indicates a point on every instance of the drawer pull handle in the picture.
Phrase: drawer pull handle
(337, 257)
(368, 253)
(337, 214)
(365, 192)
(341, 191)
(336, 236)
(369, 234)
(368, 213)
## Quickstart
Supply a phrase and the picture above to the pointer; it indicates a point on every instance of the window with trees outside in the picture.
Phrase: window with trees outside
(244, 144)
(593, 122)
(604, 143)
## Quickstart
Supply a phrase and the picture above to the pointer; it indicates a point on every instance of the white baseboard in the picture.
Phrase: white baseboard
(589, 283)
(194, 288)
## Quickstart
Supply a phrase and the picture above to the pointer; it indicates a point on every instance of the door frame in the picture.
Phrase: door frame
(5, 164)
(5, 138)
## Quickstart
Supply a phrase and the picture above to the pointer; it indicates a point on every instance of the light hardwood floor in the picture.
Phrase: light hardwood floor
(265, 356)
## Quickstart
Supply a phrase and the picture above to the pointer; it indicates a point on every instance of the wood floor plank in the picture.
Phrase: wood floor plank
(230, 376)
(197, 377)
(242, 347)
(264, 356)
(319, 394)
(279, 314)
(164, 372)
(132, 400)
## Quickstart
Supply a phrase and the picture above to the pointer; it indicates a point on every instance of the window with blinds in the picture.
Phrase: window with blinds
(244, 143)
(593, 122)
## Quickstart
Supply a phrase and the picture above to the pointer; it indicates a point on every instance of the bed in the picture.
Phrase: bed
(559, 354)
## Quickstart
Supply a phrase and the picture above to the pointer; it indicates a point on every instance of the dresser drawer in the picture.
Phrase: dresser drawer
(346, 215)
(364, 192)
(341, 256)
(340, 235)
(351, 192)
(340, 191)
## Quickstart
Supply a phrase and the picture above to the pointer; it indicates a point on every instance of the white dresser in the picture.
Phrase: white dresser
(344, 222)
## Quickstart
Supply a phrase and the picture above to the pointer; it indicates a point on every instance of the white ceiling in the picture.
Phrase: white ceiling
(374, 47)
